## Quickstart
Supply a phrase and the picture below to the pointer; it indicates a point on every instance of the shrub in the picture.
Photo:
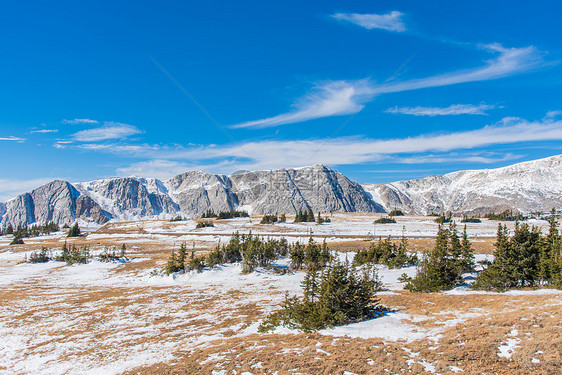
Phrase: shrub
(204, 224)
(269, 219)
(385, 220)
(472, 219)
(40, 256)
(396, 212)
(16, 241)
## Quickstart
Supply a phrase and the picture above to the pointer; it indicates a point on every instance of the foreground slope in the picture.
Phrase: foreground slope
(530, 186)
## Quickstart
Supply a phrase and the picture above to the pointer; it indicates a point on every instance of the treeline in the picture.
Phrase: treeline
(307, 216)
(507, 215)
(210, 214)
(75, 255)
(24, 231)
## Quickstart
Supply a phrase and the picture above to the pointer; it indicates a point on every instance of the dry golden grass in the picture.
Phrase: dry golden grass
(203, 326)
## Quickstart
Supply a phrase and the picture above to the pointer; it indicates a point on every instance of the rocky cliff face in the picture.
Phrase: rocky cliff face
(128, 198)
(55, 201)
(190, 194)
(527, 187)
(289, 190)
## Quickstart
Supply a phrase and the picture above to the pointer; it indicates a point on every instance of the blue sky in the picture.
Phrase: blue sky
(379, 90)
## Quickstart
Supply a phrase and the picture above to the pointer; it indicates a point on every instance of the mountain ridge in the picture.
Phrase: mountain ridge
(534, 185)
(189, 194)
(528, 186)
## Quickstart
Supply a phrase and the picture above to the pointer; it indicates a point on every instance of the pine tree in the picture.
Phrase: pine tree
(438, 270)
(516, 262)
(74, 231)
(310, 215)
(180, 261)
(466, 261)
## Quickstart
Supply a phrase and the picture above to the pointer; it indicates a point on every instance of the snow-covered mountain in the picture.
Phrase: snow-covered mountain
(189, 194)
(526, 187)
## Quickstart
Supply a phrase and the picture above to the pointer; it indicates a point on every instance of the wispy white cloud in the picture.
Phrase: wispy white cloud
(459, 158)
(553, 114)
(391, 21)
(328, 99)
(80, 121)
(430, 148)
(12, 138)
(42, 131)
(110, 130)
(455, 109)
(346, 97)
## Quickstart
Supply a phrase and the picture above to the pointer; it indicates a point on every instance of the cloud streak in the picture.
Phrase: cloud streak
(80, 121)
(12, 138)
(338, 98)
(110, 130)
(455, 109)
(391, 21)
(329, 99)
(272, 154)
(44, 131)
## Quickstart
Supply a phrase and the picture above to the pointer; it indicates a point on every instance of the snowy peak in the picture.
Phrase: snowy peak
(189, 194)
(529, 186)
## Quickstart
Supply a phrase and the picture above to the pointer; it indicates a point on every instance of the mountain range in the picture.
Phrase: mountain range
(526, 187)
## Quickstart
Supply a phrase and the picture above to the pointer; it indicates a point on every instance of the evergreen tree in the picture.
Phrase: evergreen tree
(334, 296)
(74, 231)
(438, 270)
(516, 262)
(310, 215)
(466, 261)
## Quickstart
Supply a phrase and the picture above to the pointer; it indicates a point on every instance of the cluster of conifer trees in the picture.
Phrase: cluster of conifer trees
(24, 231)
(443, 267)
(251, 251)
(386, 252)
(74, 255)
(223, 214)
(334, 294)
(306, 216)
(526, 259)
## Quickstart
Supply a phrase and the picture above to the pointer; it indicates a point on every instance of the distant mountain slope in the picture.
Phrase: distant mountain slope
(189, 194)
(529, 186)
